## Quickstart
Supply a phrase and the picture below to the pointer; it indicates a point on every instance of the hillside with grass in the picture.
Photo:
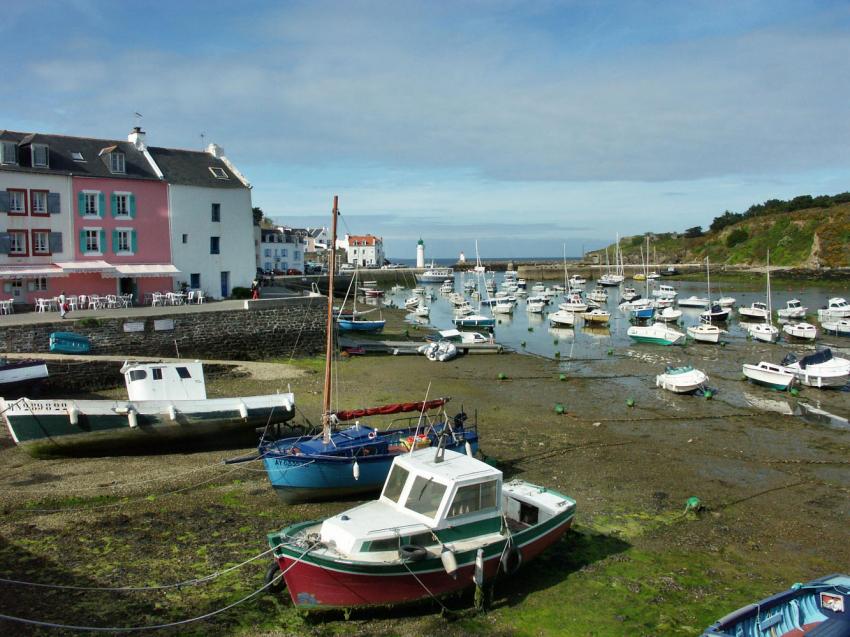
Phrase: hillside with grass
(804, 232)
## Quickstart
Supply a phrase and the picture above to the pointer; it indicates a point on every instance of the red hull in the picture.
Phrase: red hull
(311, 585)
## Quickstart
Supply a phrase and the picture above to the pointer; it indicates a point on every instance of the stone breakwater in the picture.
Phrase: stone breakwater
(263, 329)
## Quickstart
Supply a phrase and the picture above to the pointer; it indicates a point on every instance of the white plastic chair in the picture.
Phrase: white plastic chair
(156, 299)
(199, 297)
(73, 302)
(41, 305)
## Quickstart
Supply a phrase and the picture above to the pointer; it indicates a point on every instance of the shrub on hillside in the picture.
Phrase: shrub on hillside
(738, 235)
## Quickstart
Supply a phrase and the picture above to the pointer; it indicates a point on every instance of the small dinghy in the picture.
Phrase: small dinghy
(439, 351)
(705, 333)
(681, 380)
(773, 376)
(443, 522)
(819, 607)
(820, 369)
(803, 331)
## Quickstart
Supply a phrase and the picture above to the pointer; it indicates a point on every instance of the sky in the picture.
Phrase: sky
(523, 125)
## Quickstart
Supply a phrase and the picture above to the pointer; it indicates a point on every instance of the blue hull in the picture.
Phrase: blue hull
(311, 474)
(489, 322)
(69, 343)
(360, 326)
(643, 314)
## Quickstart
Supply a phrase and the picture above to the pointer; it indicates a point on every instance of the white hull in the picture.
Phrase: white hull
(705, 333)
(764, 333)
(803, 331)
(769, 374)
(683, 383)
(840, 327)
(693, 301)
(562, 317)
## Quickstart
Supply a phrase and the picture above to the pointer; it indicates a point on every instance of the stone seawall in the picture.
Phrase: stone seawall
(295, 327)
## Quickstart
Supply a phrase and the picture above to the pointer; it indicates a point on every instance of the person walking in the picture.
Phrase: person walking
(255, 289)
(63, 304)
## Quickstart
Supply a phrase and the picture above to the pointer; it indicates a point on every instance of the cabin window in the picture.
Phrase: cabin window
(390, 544)
(473, 498)
(421, 539)
(137, 374)
(395, 483)
(156, 373)
(425, 496)
(183, 372)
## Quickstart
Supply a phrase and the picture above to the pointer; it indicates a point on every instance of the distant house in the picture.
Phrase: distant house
(363, 250)
(281, 249)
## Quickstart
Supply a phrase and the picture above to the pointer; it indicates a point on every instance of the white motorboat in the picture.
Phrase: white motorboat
(597, 316)
(836, 308)
(665, 292)
(563, 318)
(756, 310)
(694, 301)
(657, 333)
(591, 304)
(456, 299)
(629, 294)
(820, 369)
(537, 288)
(456, 336)
(573, 304)
(793, 310)
(422, 310)
(805, 331)
(653, 275)
(611, 280)
(419, 290)
(503, 307)
(20, 374)
(705, 333)
(598, 294)
(726, 301)
(535, 307)
(577, 281)
(397, 288)
(681, 380)
(764, 332)
(463, 310)
(840, 327)
(765, 373)
(538, 299)
(435, 275)
(669, 315)
(447, 287)
(412, 301)
(661, 303)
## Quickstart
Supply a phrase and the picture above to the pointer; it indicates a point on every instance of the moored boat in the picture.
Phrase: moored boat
(755, 311)
(562, 318)
(803, 331)
(817, 608)
(681, 380)
(836, 308)
(765, 373)
(443, 520)
(657, 333)
(435, 275)
(474, 320)
(764, 332)
(793, 310)
(69, 343)
(705, 333)
(820, 369)
(600, 317)
(669, 315)
(21, 374)
(694, 301)
(840, 327)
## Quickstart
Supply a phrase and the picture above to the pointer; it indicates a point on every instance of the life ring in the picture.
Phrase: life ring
(511, 561)
(412, 552)
(273, 572)
(373, 434)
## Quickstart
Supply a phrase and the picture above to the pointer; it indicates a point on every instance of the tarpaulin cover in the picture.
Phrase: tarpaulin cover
(395, 408)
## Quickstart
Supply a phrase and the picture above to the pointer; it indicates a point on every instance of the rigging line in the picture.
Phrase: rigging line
(301, 329)
(425, 588)
(189, 582)
(182, 622)
(124, 501)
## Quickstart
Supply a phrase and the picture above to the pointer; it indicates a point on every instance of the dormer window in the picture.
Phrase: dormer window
(40, 155)
(8, 153)
(219, 173)
(116, 162)
(77, 156)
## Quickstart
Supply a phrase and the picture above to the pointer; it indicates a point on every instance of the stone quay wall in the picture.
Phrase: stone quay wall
(263, 329)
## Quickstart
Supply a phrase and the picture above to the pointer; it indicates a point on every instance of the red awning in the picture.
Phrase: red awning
(395, 408)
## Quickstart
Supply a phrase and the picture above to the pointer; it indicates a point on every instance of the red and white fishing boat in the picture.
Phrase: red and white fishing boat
(443, 522)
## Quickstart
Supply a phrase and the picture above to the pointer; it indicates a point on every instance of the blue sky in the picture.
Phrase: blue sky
(521, 124)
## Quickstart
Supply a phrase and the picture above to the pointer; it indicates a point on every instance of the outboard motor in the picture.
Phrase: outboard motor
(459, 419)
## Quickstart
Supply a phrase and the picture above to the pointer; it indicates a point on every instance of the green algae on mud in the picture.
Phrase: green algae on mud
(634, 564)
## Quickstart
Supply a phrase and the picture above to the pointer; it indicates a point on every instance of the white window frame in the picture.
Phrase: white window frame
(35, 247)
(125, 197)
(78, 156)
(128, 233)
(117, 163)
(218, 172)
(95, 195)
(14, 195)
(4, 159)
(38, 194)
(99, 250)
(15, 237)
(46, 149)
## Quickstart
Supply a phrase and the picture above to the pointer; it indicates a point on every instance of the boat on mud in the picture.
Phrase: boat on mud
(444, 521)
(681, 380)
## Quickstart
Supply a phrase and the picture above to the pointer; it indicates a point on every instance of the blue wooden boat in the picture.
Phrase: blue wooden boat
(355, 325)
(69, 343)
(643, 313)
(819, 608)
(356, 459)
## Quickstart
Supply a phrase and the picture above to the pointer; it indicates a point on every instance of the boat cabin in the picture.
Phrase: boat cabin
(165, 381)
(837, 303)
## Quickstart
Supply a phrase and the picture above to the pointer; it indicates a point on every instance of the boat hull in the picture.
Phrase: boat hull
(360, 326)
(46, 427)
(316, 583)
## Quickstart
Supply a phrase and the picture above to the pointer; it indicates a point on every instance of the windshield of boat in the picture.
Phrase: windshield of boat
(425, 496)
(395, 483)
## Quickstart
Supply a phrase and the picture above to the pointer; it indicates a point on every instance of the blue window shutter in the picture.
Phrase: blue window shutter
(132, 206)
(113, 204)
(133, 241)
(81, 204)
(53, 203)
(102, 242)
(115, 241)
(101, 204)
(55, 242)
(82, 241)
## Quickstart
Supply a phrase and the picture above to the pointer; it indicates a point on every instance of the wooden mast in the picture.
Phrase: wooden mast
(326, 396)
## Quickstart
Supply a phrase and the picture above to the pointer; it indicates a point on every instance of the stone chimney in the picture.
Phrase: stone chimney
(137, 138)
(215, 150)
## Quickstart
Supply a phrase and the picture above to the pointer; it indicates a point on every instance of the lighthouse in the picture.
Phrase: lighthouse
(420, 253)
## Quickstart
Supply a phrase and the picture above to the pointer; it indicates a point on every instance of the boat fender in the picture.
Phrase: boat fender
(272, 573)
(355, 469)
(373, 434)
(412, 552)
(73, 414)
(172, 413)
(447, 556)
(478, 573)
(243, 410)
(132, 418)
(468, 448)
(511, 560)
